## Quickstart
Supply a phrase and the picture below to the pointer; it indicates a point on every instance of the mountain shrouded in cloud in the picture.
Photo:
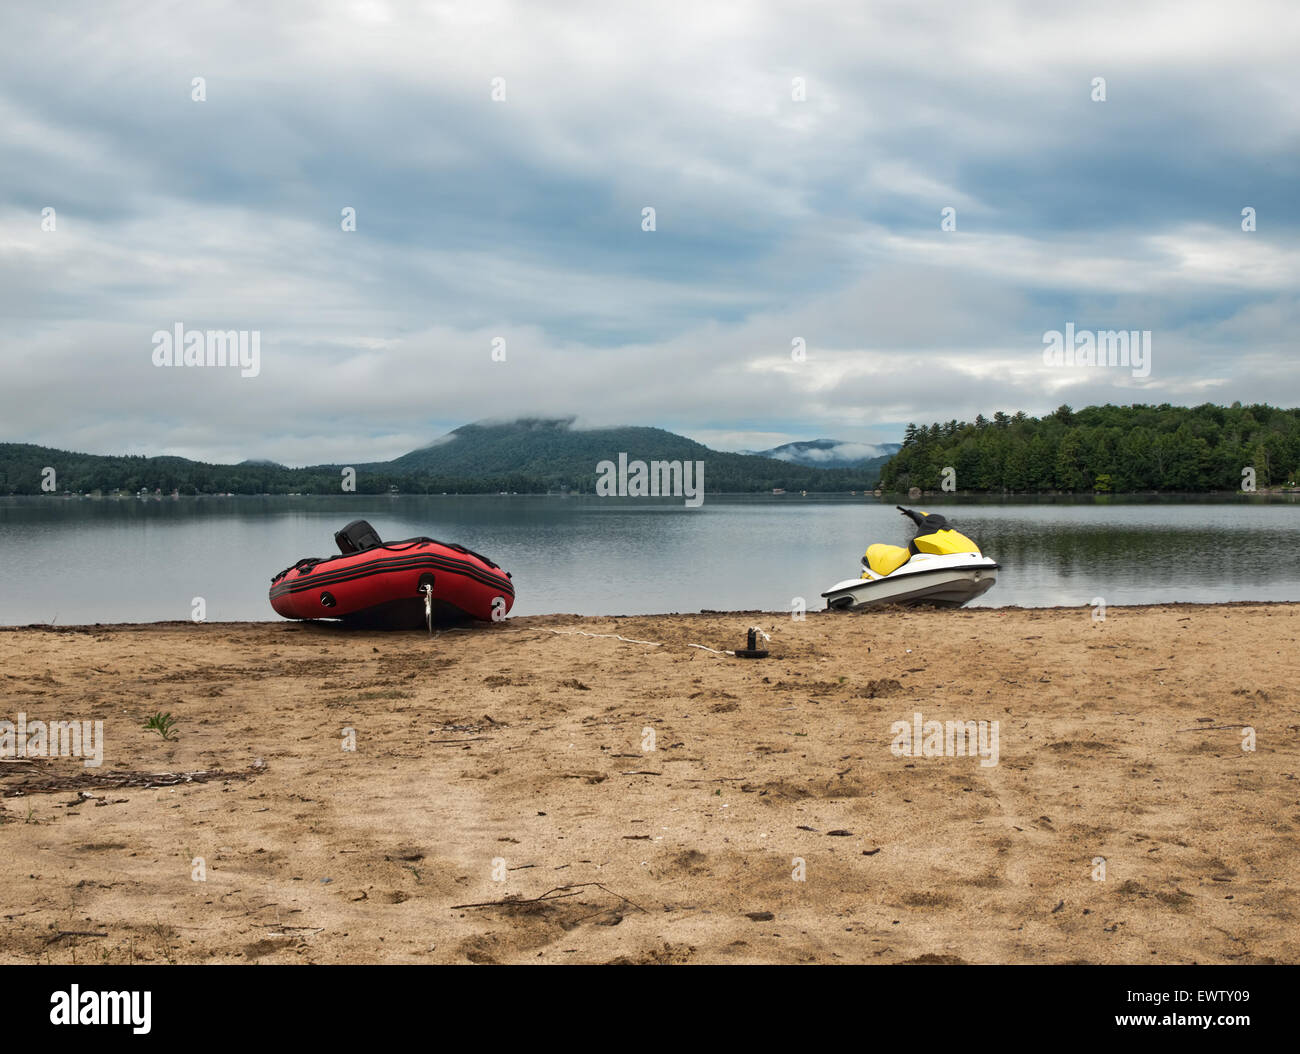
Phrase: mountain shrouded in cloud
(829, 453)
(529, 455)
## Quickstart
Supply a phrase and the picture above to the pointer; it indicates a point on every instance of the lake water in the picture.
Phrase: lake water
(74, 561)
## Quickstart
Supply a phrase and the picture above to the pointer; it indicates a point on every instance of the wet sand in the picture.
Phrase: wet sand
(509, 767)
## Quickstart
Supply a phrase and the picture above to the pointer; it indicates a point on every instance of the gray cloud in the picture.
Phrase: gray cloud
(521, 220)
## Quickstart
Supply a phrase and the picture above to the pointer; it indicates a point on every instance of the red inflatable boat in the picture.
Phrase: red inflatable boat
(393, 584)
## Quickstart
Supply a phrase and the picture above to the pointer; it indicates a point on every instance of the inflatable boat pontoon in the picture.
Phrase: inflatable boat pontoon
(393, 584)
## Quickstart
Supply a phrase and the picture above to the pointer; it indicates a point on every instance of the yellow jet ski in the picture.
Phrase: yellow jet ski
(940, 566)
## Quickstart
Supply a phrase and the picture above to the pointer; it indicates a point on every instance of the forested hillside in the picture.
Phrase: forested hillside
(555, 453)
(1104, 448)
(526, 456)
(1100, 448)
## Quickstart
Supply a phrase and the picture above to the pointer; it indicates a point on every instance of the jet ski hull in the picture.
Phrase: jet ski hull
(940, 582)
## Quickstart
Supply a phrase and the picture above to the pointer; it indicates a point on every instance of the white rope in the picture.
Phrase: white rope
(615, 636)
(651, 643)
(714, 650)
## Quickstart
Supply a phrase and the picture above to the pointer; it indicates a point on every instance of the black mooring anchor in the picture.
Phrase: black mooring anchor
(753, 651)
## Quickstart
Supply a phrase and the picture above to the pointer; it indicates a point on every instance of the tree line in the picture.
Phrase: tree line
(23, 469)
(1121, 449)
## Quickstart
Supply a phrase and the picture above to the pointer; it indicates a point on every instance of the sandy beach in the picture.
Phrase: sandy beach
(537, 791)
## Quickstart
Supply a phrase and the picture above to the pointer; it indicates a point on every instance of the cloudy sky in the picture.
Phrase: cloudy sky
(778, 219)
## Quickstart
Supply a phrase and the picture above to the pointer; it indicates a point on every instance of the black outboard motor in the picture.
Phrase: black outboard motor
(357, 537)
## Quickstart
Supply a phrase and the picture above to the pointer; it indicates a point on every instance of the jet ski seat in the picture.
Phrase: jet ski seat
(944, 543)
(882, 558)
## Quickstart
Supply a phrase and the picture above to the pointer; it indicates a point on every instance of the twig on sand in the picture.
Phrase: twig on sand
(474, 740)
(560, 892)
(251, 911)
(1208, 728)
(74, 933)
(619, 895)
(511, 902)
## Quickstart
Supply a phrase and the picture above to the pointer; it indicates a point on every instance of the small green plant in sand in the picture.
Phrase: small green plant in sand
(163, 724)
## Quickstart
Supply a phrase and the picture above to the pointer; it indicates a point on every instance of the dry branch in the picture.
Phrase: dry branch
(560, 892)
(34, 782)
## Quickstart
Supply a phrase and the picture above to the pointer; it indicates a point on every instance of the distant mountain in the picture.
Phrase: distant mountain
(548, 448)
(555, 452)
(537, 446)
(830, 453)
(530, 455)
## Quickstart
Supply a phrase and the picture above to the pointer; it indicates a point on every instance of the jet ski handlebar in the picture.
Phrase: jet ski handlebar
(925, 521)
